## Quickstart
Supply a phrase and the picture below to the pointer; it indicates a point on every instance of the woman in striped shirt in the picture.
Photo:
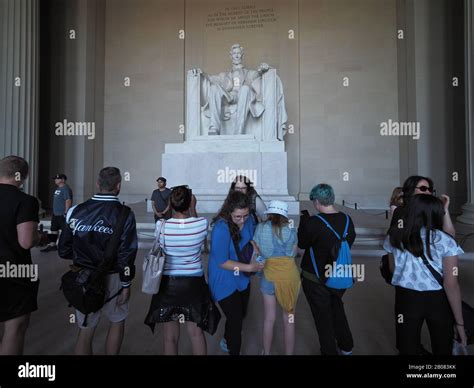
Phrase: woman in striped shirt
(184, 294)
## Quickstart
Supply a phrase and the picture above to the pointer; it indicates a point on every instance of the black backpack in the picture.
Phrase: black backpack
(86, 289)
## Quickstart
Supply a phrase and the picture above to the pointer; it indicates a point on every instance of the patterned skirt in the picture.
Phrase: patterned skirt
(184, 298)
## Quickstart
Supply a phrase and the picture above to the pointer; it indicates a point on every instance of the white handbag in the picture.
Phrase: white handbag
(153, 265)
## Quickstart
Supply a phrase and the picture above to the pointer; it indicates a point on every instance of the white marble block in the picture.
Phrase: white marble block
(209, 169)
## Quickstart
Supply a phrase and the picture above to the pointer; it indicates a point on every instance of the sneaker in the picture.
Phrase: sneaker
(223, 345)
(49, 248)
(343, 352)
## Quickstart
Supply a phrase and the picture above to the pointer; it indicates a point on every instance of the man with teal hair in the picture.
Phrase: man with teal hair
(319, 241)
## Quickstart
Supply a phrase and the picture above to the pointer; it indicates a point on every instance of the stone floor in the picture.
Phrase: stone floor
(369, 307)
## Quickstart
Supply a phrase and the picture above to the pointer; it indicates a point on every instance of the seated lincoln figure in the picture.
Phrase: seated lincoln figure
(236, 95)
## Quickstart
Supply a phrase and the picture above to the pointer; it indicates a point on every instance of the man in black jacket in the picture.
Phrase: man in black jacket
(90, 227)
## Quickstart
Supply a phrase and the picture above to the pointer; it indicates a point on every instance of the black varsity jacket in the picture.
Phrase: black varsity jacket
(90, 226)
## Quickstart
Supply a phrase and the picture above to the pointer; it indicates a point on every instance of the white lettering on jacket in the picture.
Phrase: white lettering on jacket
(99, 227)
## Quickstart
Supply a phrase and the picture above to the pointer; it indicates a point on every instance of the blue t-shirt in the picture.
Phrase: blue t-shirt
(410, 271)
(224, 282)
(61, 194)
(270, 245)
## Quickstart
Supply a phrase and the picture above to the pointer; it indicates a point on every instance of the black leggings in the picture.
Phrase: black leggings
(412, 308)
(235, 310)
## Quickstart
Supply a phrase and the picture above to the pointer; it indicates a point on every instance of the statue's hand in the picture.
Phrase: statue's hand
(197, 71)
(263, 68)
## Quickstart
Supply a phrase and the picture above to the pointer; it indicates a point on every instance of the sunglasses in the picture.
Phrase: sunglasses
(424, 189)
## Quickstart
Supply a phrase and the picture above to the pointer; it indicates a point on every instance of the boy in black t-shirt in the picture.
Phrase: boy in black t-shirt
(18, 233)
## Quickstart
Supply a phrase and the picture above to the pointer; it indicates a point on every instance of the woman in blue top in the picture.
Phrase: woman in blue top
(228, 281)
(419, 296)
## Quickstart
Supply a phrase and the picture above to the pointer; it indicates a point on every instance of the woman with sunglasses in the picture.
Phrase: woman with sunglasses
(228, 277)
(415, 185)
(418, 185)
(420, 255)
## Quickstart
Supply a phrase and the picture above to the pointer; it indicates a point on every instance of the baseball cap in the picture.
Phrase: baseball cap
(161, 179)
(60, 176)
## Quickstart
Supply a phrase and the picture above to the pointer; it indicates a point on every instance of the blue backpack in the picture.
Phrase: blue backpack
(343, 261)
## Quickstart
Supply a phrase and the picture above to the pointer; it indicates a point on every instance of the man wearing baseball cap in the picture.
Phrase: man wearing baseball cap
(160, 200)
(62, 202)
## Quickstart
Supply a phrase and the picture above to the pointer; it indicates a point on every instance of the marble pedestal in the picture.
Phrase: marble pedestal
(210, 164)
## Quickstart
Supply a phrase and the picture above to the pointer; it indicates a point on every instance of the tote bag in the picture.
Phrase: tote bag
(153, 265)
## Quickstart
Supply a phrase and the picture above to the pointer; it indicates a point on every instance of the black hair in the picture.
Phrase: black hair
(180, 199)
(410, 185)
(423, 211)
(250, 186)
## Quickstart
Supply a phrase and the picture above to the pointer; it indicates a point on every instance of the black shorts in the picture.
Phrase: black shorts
(19, 297)
(58, 223)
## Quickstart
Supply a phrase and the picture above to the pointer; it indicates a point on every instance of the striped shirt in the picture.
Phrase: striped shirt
(182, 240)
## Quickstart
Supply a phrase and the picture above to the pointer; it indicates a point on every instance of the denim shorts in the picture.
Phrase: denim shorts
(266, 286)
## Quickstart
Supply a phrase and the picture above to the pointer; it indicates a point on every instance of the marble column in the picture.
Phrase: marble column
(468, 209)
(19, 83)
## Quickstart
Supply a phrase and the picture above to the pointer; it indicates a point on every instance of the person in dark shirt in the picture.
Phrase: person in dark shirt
(326, 304)
(18, 233)
(62, 202)
(160, 200)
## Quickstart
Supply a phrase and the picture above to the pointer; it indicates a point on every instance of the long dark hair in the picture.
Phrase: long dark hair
(410, 184)
(422, 211)
(241, 178)
(235, 200)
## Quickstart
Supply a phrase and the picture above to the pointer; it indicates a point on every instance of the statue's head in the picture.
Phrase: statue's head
(236, 54)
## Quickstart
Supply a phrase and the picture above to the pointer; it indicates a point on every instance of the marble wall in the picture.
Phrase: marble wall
(344, 73)
(313, 44)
